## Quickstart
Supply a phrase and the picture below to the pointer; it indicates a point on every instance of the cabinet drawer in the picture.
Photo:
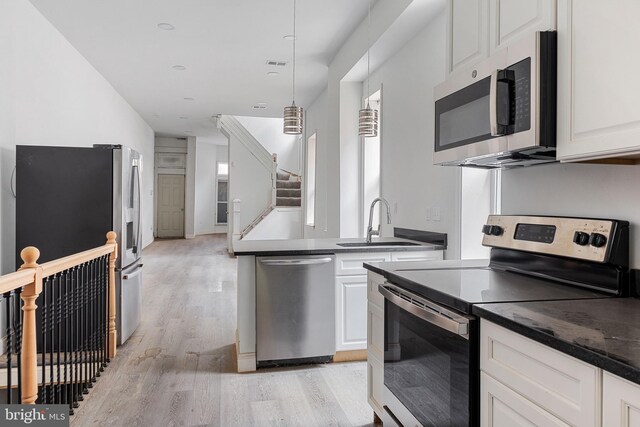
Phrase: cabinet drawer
(375, 331)
(502, 407)
(373, 280)
(416, 256)
(562, 385)
(349, 264)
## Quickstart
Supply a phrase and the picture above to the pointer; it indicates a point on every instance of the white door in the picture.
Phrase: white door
(170, 205)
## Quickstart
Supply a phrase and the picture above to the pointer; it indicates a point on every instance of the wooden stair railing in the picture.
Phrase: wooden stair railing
(92, 303)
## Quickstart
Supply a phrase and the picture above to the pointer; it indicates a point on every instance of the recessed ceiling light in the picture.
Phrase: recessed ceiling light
(166, 26)
(273, 73)
(289, 37)
(189, 99)
(179, 67)
(183, 117)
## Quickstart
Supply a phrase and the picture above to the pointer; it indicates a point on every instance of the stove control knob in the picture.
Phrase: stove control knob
(492, 230)
(598, 240)
(496, 230)
(581, 238)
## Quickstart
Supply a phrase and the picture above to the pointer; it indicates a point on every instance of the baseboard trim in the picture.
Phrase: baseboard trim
(350, 356)
(246, 361)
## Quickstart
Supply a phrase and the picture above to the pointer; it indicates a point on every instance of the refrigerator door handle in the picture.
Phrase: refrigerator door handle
(139, 236)
(134, 273)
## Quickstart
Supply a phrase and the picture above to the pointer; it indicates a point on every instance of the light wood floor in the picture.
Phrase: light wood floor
(178, 369)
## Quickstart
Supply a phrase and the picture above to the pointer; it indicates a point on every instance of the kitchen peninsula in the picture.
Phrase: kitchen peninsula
(344, 314)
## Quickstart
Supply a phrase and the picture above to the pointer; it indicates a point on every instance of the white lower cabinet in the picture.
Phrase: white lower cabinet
(375, 346)
(554, 383)
(620, 402)
(502, 407)
(351, 313)
(352, 290)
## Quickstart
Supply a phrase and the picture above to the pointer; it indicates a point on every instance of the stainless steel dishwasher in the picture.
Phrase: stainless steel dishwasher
(295, 309)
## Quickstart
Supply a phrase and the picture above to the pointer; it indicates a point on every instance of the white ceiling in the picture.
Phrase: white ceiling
(223, 44)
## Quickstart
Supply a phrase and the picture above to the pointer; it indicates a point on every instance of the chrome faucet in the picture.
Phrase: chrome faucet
(370, 230)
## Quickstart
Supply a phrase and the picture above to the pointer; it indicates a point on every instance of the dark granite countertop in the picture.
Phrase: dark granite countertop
(290, 247)
(602, 332)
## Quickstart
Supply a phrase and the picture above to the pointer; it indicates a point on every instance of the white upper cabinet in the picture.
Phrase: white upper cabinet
(467, 32)
(511, 19)
(598, 86)
(477, 28)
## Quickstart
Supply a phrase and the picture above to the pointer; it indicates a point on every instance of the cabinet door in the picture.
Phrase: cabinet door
(620, 402)
(467, 33)
(375, 331)
(375, 385)
(502, 407)
(351, 313)
(598, 85)
(510, 19)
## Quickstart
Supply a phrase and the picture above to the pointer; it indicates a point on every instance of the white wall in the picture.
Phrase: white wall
(281, 223)
(582, 190)
(410, 181)
(316, 122)
(249, 181)
(51, 95)
(268, 132)
(205, 191)
(350, 164)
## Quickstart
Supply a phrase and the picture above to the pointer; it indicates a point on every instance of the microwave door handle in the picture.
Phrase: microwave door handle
(493, 104)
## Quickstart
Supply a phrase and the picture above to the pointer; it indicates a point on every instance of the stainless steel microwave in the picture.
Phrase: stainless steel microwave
(502, 112)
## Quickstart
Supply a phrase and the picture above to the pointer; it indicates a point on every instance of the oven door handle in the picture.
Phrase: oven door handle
(426, 310)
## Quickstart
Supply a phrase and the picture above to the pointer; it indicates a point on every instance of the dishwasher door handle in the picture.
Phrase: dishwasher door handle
(310, 261)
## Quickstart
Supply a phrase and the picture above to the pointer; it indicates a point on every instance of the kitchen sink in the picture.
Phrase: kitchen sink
(365, 244)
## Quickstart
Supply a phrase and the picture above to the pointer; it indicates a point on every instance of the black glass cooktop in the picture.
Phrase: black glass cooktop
(461, 288)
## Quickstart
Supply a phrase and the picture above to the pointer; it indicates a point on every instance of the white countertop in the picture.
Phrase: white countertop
(324, 246)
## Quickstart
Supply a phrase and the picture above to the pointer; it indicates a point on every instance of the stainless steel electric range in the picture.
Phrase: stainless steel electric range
(431, 368)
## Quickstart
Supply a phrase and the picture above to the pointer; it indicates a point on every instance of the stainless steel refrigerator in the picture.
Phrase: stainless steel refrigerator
(68, 198)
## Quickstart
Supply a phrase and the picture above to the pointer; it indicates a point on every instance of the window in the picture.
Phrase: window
(222, 193)
(371, 166)
(223, 169)
(311, 181)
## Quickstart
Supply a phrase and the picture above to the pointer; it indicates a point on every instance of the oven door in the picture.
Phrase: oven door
(430, 361)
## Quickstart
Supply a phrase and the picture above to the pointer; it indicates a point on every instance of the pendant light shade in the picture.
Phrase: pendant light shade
(293, 119)
(368, 122)
(293, 115)
(368, 117)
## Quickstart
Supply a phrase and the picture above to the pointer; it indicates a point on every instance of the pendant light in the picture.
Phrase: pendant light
(293, 114)
(368, 117)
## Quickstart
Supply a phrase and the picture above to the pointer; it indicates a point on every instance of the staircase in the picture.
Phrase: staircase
(288, 189)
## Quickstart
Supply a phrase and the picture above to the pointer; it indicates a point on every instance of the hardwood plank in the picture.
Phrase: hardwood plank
(178, 368)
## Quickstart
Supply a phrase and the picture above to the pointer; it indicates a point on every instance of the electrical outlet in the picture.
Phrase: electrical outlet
(436, 213)
(428, 214)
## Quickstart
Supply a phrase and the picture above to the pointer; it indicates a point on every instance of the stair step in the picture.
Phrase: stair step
(288, 201)
(288, 184)
(283, 176)
(289, 192)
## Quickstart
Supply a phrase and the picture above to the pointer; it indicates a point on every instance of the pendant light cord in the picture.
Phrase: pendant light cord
(368, 56)
(294, 53)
